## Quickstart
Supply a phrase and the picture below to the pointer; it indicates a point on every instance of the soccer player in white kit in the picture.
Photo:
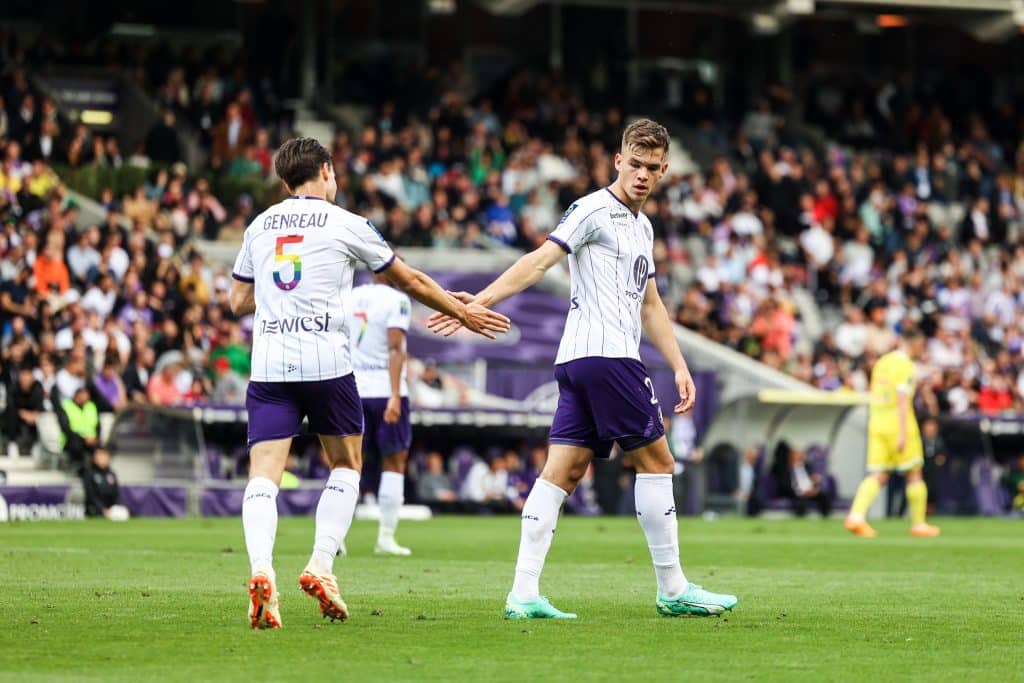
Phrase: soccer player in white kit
(605, 394)
(379, 320)
(294, 272)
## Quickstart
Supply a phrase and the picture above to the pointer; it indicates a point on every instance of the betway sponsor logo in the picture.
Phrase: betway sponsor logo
(37, 512)
(299, 323)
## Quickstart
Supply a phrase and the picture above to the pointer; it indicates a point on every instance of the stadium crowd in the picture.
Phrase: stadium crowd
(889, 212)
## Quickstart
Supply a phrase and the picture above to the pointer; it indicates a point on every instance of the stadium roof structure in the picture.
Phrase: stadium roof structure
(987, 20)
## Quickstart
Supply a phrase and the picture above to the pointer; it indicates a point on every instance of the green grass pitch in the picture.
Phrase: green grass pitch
(165, 600)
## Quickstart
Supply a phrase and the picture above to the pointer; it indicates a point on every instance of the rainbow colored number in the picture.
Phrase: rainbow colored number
(281, 258)
(362, 330)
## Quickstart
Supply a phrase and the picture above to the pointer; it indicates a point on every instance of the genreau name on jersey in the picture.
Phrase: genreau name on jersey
(300, 255)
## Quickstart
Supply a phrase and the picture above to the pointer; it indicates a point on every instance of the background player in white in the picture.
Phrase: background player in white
(379, 321)
(294, 271)
(605, 395)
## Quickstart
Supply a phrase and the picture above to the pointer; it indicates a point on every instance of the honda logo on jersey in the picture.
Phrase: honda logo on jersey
(640, 270)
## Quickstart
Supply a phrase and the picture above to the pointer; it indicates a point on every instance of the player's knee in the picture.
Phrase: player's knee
(395, 462)
(352, 461)
(882, 478)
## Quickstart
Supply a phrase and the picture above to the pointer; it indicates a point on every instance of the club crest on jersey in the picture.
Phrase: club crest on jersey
(572, 207)
(640, 270)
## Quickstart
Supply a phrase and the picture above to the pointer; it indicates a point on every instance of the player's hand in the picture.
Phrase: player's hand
(443, 324)
(393, 411)
(901, 443)
(687, 391)
(484, 321)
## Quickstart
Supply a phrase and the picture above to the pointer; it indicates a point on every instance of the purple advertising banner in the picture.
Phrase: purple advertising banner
(227, 502)
(36, 503)
(155, 501)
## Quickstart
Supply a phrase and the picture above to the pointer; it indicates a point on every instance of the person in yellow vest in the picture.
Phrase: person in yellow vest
(894, 438)
(80, 435)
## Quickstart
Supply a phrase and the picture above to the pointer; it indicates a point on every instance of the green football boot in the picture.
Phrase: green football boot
(538, 608)
(695, 602)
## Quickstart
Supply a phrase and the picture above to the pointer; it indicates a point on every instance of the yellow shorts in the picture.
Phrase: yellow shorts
(883, 456)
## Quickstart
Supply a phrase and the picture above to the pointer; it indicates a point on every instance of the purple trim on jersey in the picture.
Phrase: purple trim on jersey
(306, 196)
(379, 436)
(635, 213)
(242, 278)
(386, 265)
(276, 409)
(560, 243)
(650, 275)
(602, 401)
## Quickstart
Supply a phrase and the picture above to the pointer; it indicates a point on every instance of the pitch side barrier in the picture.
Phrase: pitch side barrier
(174, 462)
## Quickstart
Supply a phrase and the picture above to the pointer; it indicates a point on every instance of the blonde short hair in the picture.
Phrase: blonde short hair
(645, 134)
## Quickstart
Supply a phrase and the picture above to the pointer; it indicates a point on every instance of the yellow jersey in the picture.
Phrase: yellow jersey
(893, 374)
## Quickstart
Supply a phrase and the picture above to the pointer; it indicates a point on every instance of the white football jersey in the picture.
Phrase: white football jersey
(301, 255)
(610, 260)
(374, 310)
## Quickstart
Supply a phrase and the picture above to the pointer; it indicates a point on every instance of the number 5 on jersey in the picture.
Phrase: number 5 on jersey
(281, 259)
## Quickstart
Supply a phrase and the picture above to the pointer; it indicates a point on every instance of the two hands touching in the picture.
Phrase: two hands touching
(476, 318)
(480, 319)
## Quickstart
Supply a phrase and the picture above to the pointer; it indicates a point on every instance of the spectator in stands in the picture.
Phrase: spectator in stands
(111, 394)
(162, 141)
(229, 387)
(746, 494)
(25, 400)
(162, 389)
(51, 273)
(434, 485)
(231, 135)
(798, 481)
(935, 454)
(80, 424)
(1014, 483)
(487, 482)
(102, 491)
(137, 374)
(72, 376)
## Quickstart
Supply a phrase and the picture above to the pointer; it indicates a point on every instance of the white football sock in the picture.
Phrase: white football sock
(656, 512)
(259, 522)
(390, 496)
(540, 514)
(334, 515)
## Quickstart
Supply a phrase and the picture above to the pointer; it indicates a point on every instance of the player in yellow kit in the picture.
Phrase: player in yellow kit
(894, 439)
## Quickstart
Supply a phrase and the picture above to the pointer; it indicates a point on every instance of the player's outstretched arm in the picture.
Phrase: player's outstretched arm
(658, 327)
(524, 273)
(424, 289)
(242, 297)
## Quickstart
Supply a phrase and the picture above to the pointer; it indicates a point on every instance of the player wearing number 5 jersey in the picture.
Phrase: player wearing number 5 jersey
(605, 395)
(294, 274)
